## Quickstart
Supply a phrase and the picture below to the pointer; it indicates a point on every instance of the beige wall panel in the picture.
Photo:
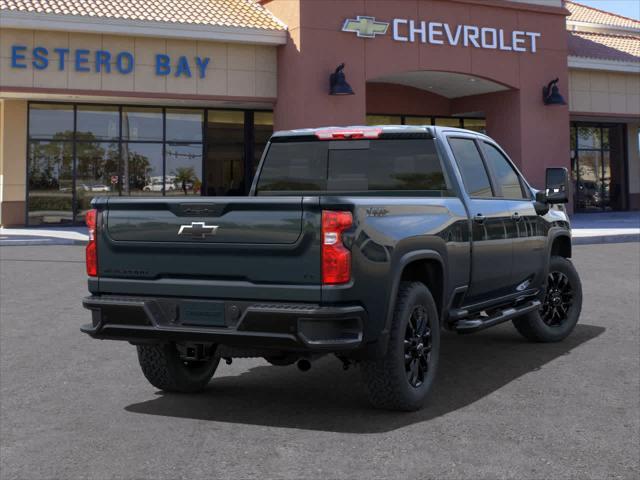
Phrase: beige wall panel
(633, 84)
(14, 77)
(85, 80)
(115, 81)
(579, 80)
(13, 149)
(241, 83)
(50, 78)
(266, 84)
(116, 44)
(184, 85)
(215, 83)
(241, 57)
(580, 101)
(633, 104)
(86, 41)
(599, 82)
(146, 50)
(266, 59)
(146, 80)
(14, 192)
(216, 52)
(177, 48)
(600, 102)
(594, 91)
(51, 40)
(10, 37)
(233, 69)
(617, 83)
(618, 102)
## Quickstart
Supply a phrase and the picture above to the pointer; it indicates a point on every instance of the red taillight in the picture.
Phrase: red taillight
(91, 219)
(349, 134)
(336, 259)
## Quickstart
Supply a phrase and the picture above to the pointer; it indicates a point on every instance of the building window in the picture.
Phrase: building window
(475, 124)
(226, 148)
(78, 152)
(384, 120)
(598, 166)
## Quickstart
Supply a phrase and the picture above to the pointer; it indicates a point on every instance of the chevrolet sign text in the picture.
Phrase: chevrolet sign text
(439, 33)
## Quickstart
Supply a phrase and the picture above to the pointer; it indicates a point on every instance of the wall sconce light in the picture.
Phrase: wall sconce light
(551, 94)
(338, 82)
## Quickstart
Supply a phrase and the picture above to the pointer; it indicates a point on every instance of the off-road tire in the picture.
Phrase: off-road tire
(163, 367)
(532, 325)
(386, 378)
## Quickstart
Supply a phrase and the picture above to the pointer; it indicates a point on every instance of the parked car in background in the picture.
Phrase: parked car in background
(156, 185)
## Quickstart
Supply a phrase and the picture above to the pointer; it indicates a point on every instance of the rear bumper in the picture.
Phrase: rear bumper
(282, 326)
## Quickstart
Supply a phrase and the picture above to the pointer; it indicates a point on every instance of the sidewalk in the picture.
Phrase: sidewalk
(588, 228)
(43, 236)
(608, 227)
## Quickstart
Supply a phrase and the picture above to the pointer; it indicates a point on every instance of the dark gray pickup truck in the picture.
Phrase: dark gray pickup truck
(363, 242)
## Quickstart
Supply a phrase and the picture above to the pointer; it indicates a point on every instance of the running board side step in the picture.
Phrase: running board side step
(471, 325)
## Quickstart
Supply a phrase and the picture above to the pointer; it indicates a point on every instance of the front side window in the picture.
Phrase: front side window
(505, 175)
(472, 169)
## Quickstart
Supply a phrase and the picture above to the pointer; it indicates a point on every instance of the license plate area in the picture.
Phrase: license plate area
(202, 313)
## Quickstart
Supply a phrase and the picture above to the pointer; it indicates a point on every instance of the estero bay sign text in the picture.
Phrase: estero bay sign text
(98, 61)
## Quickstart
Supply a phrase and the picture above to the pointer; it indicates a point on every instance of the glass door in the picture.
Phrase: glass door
(598, 167)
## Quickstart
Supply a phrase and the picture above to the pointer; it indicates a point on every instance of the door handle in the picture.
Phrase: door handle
(516, 216)
(479, 218)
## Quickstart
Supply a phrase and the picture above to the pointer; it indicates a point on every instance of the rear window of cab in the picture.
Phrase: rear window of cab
(353, 166)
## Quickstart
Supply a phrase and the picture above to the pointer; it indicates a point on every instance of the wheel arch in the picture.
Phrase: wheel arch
(426, 266)
(560, 246)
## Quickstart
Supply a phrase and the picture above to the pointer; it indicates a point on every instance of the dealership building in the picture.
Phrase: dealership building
(178, 97)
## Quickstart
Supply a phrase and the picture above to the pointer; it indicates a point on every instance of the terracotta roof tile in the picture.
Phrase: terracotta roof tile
(225, 13)
(582, 13)
(624, 48)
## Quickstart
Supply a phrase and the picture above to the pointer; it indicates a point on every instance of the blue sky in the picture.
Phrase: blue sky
(628, 8)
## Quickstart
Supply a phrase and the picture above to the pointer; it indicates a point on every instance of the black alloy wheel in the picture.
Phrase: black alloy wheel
(558, 300)
(417, 346)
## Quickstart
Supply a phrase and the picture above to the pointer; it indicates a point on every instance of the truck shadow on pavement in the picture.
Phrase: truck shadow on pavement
(328, 399)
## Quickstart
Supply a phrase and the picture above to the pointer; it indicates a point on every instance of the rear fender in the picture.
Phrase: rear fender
(396, 276)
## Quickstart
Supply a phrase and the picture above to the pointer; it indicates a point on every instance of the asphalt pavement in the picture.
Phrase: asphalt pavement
(72, 407)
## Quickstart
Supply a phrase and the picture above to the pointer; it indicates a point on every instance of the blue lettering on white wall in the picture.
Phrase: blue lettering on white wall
(202, 63)
(40, 58)
(125, 62)
(18, 58)
(163, 64)
(104, 61)
(62, 53)
(183, 67)
(82, 59)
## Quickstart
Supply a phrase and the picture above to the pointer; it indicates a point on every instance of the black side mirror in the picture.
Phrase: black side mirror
(557, 186)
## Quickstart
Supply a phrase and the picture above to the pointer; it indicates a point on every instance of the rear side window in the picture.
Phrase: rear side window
(504, 173)
(353, 166)
(474, 173)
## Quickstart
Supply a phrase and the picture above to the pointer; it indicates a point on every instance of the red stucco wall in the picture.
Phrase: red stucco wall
(535, 135)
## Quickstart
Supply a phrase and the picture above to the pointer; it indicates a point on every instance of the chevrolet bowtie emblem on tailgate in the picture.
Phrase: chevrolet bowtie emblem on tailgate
(198, 229)
(365, 27)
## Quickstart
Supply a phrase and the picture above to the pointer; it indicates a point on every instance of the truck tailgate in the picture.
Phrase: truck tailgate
(209, 247)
